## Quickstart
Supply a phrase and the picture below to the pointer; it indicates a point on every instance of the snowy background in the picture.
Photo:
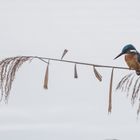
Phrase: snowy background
(93, 31)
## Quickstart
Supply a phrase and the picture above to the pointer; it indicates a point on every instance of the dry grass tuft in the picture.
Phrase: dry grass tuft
(8, 69)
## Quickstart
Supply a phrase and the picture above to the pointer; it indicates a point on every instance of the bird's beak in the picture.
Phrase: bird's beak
(119, 55)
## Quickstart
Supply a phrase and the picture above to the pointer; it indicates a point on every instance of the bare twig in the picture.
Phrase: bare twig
(9, 67)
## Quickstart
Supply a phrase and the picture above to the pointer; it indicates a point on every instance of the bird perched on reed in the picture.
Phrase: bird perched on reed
(132, 57)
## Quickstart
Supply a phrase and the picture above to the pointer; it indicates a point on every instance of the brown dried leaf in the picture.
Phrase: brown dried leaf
(110, 92)
(64, 53)
(75, 71)
(97, 74)
(46, 77)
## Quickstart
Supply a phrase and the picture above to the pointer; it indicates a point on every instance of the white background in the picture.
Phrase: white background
(93, 31)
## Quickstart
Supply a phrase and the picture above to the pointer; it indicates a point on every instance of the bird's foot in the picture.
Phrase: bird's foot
(131, 68)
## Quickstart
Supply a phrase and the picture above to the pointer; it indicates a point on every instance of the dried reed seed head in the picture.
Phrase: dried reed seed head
(131, 81)
(8, 68)
(135, 90)
(129, 84)
(124, 81)
(138, 110)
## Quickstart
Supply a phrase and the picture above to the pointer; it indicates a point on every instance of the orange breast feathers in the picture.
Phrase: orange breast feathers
(132, 61)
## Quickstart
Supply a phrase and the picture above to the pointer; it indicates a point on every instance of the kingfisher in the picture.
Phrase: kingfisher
(132, 57)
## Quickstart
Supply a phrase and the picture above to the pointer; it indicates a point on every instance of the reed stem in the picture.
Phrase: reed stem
(77, 62)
